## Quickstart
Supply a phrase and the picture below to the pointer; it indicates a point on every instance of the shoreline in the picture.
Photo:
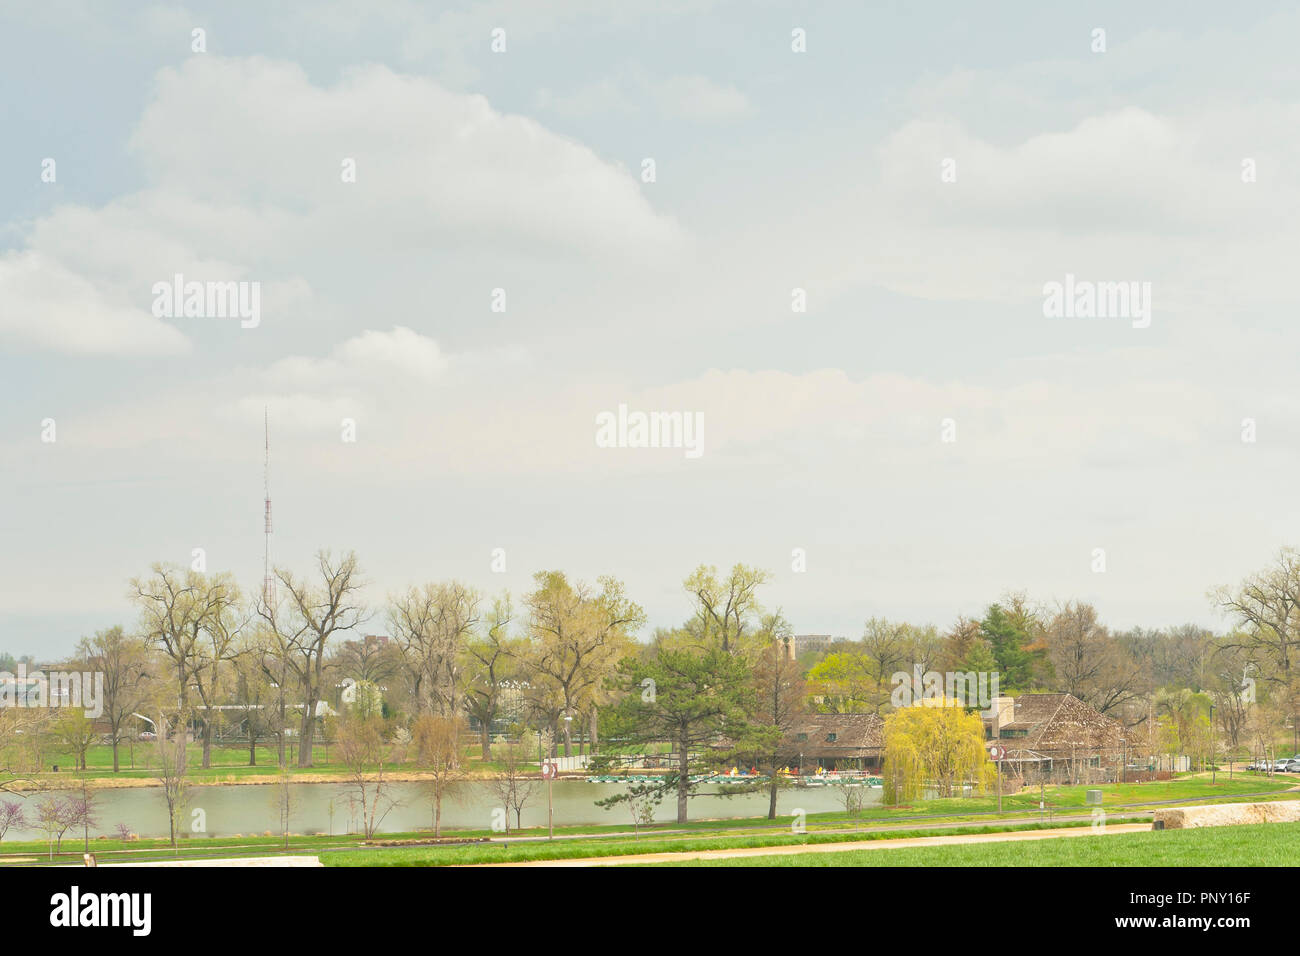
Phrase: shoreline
(70, 781)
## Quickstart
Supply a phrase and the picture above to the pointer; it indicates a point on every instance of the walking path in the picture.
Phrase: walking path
(838, 847)
(233, 861)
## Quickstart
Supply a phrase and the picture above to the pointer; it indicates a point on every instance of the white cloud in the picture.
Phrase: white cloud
(244, 159)
(1127, 171)
(45, 304)
(369, 358)
(435, 162)
(691, 97)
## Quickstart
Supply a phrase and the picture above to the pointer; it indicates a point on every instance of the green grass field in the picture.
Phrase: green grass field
(229, 763)
(1261, 844)
(573, 842)
(579, 849)
(1067, 798)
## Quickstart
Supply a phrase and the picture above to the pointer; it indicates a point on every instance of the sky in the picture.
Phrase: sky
(840, 265)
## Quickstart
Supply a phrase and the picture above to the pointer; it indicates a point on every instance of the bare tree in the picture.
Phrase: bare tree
(490, 662)
(780, 697)
(431, 626)
(726, 607)
(76, 732)
(641, 807)
(53, 819)
(267, 656)
(173, 768)
(254, 693)
(437, 744)
(194, 619)
(373, 659)
(222, 626)
(513, 787)
(965, 646)
(282, 797)
(303, 620)
(362, 750)
(12, 817)
(174, 608)
(121, 659)
(887, 644)
(578, 635)
(21, 731)
(1266, 606)
(1088, 662)
(83, 811)
(1231, 667)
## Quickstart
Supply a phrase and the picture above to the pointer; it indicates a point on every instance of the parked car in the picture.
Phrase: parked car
(1292, 765)
(1279, 766)
(147, 735)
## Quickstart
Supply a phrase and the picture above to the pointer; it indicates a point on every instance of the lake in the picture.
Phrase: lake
(251, 809)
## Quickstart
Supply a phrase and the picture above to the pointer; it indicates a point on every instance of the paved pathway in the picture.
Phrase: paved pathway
(233, 861)
(839, 847)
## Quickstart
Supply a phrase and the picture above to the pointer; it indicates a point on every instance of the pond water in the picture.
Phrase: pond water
(324, 808)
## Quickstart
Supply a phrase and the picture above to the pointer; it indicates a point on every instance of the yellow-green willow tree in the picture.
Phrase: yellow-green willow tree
(935, 743)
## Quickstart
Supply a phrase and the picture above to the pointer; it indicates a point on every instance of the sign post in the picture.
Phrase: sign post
(997, 752)
(549, 770)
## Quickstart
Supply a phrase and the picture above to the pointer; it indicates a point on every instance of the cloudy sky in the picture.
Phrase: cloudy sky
(1171, 158)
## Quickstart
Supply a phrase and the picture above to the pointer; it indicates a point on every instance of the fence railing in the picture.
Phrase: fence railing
(571, 763)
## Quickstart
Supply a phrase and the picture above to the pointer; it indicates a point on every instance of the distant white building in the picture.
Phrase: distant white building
(813, 642)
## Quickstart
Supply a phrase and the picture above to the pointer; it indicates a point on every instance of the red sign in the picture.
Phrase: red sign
(549, 770)
(997, 753)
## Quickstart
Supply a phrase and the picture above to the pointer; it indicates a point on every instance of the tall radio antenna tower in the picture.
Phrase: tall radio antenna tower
(268, 584)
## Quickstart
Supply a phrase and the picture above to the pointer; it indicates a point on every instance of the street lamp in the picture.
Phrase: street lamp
(1213, 763)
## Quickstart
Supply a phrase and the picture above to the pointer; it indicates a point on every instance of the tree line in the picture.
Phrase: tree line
(567, 660)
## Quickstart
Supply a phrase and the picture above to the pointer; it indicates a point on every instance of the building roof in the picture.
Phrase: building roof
(855, 735)
(1055, 725)
(1058, 723)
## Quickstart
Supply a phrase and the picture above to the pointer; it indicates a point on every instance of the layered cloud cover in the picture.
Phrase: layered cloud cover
(460, 254)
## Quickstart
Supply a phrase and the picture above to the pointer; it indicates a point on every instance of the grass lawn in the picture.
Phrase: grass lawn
(577, 849)
(1075, 797)
(1260, 844)
(229, 763)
